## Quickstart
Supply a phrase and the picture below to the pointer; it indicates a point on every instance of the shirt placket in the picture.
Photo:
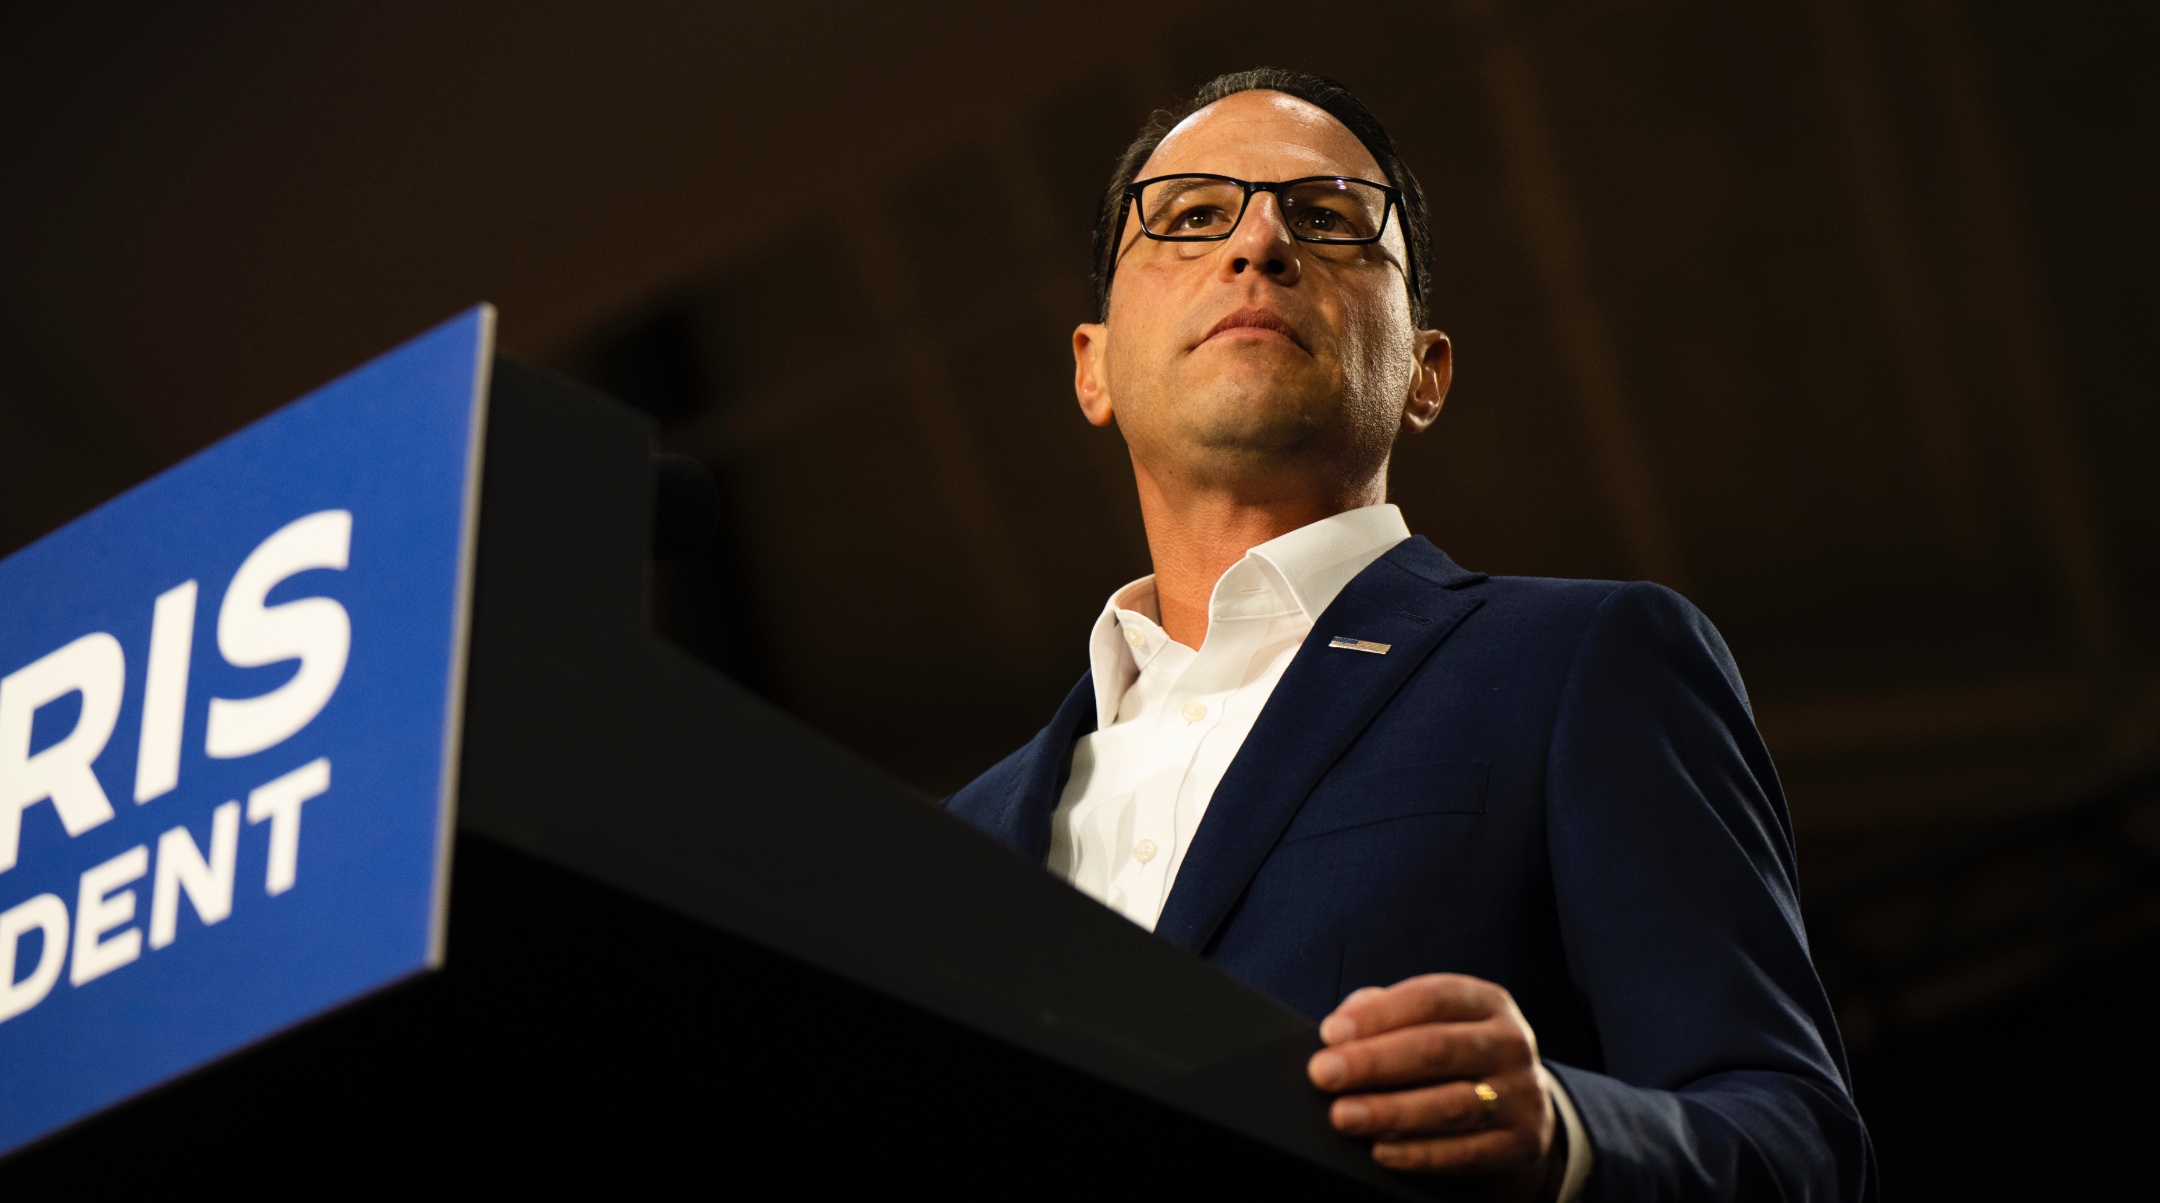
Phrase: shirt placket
(1187, 719)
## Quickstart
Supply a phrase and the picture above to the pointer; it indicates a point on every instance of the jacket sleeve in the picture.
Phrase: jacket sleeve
(1673, 869)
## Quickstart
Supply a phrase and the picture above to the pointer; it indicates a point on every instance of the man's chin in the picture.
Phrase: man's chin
(1250, 426)
(1260, 376)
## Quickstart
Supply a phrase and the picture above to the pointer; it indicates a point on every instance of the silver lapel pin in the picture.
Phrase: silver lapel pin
(1360, 645)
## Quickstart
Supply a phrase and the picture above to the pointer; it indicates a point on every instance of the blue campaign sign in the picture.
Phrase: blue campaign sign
(229, 702)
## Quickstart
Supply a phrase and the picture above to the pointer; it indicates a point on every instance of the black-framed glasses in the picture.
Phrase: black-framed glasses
(1333, 210)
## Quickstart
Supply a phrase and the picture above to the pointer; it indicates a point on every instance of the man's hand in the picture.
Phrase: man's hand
(1407, 1062)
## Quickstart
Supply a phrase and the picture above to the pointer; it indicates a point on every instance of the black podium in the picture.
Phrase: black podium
(695, 944)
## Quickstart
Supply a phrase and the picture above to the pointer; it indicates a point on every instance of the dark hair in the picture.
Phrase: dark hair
(1317, 90)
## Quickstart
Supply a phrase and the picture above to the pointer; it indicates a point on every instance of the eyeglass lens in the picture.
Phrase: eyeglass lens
(1325, 210)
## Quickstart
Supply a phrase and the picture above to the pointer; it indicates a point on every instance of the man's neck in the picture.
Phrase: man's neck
(1195, 535)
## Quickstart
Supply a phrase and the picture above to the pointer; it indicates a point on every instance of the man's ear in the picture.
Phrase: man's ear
(1429, 385)
(1091, 380)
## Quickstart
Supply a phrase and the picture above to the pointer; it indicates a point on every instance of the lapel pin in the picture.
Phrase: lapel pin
(1360, 645)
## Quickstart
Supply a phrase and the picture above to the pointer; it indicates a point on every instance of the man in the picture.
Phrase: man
(1515, 842)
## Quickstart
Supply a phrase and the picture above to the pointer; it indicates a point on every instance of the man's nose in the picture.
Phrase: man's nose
(1262, 242)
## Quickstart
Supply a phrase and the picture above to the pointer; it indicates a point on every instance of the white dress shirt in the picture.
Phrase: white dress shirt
(1169, 720)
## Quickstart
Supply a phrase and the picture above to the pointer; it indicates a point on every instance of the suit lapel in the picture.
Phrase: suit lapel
(1025, 825)
(1409, 600)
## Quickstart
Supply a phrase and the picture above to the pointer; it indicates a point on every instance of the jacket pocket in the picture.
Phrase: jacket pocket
(1434, 787)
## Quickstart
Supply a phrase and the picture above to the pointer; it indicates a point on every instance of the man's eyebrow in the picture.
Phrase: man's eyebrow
(1166, 196)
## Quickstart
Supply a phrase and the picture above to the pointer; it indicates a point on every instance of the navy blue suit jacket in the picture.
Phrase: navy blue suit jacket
(1556, 786)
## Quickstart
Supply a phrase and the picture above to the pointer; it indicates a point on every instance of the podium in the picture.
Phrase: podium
(693, 942)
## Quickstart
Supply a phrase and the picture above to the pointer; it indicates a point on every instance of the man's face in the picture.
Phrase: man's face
(1260, 357)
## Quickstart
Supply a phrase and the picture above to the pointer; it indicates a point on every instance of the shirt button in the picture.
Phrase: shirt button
(1193, 712)
(1136, 636)
(1144, 851)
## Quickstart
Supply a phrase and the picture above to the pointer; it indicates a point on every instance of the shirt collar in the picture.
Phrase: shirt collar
(1302, 572)
(1318, 561)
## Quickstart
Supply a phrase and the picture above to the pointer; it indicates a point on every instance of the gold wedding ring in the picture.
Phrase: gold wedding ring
(1488, 1104)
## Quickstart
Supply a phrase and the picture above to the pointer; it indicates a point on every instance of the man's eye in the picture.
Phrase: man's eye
(1199, 219)
(1321, 221)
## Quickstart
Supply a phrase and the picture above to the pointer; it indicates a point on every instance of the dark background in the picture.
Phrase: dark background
(1833, 315)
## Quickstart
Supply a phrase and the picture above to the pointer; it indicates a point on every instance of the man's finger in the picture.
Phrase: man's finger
(1432, 1111)
(1475, 1153)
(1428, 1052)
(1435, 997)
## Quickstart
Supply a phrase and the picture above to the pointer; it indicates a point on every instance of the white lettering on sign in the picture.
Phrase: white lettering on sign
(280, 802)
(100, 906)
(314, 630)
(172, 639)
(44, 913)
(94, 667)
(180, 866)
(104, 935)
